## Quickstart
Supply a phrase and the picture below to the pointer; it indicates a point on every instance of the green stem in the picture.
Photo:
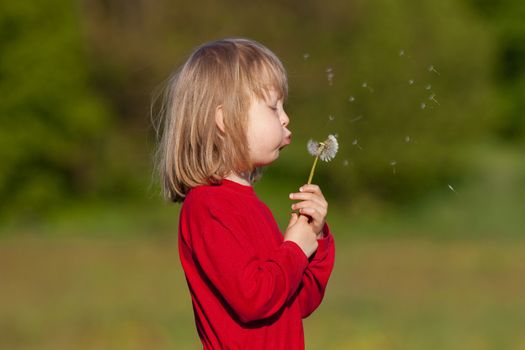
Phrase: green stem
(315, 163)
(312, 171)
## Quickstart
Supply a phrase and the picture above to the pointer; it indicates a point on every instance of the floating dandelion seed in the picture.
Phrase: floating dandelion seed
(330, 118)
(407, 139)
(431, 68)
(411, 82)
(345, 162)
(351, 99)
(330, 75)
(325, 150)
(306, 56)
(356, 143)
(433, 99)
(428, 87)
(452, 188)
(393, 165)
(423, 105)
(366, 86)
(359, 117)
(401, 53)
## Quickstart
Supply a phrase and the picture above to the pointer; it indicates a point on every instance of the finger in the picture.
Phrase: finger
(293, 219)
(304, 217)
(322, 206)
(310, 188)
(309, 204)
(309, 196)
(312, 212)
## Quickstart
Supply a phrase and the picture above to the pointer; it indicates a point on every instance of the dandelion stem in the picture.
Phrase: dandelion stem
(315, 163)
(312, 171)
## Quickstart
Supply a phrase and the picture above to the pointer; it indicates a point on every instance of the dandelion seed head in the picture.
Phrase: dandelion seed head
(331, 117)
(312, 147)
(428, 87)
(411, 82)
(330, 148)
(407, 139)
(345, 162)
(401, 52)
(351, 99)
(423, 105)
(306, 56)
(326, 150)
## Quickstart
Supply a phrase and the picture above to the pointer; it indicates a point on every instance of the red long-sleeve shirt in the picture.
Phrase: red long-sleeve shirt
(249, 288)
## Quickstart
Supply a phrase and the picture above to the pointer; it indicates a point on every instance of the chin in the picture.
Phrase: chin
(268, 161)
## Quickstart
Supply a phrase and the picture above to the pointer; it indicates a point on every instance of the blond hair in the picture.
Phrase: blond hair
(192, 150)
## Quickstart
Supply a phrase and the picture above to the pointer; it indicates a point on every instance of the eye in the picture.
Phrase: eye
(273, 108)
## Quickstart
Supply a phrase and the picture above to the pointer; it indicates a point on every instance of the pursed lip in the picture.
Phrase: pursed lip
(288, 140)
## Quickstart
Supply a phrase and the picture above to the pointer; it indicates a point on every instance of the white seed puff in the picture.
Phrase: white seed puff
(326, 150)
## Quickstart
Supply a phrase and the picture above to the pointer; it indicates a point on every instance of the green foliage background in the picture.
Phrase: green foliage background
(77, 81)
(428, 249)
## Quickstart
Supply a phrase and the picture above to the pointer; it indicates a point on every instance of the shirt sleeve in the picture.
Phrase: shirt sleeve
(317, 273)
(254, 288)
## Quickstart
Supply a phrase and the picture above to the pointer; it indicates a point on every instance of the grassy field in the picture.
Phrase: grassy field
(444, 273)
(77, 293)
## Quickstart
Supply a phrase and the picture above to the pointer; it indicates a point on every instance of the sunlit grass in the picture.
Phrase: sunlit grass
(384, 294)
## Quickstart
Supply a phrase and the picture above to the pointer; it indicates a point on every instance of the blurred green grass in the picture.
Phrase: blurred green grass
(64, 293)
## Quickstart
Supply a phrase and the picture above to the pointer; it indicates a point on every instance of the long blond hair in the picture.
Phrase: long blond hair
(192, 150)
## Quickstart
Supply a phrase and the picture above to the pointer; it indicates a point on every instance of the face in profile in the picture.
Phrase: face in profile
(267, 130)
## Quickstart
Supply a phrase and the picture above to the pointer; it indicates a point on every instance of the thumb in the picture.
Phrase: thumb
(293, 220)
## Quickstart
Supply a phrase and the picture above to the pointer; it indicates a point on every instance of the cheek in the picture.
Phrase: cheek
(265, 135)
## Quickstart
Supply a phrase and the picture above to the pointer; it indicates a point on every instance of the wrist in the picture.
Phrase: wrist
(323, 233)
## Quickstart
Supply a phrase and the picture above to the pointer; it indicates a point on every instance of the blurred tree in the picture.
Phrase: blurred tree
(60, 139)
(414, 130)
(507, 21)
(53, 125)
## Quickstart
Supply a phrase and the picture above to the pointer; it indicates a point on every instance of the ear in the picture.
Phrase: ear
(219, 118)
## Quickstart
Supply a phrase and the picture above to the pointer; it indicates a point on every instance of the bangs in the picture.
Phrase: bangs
(263, 73)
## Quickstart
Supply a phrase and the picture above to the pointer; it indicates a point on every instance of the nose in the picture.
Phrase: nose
(285, 122)
(285, 119)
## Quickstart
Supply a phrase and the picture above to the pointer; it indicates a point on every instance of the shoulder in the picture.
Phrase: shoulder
(210, 198)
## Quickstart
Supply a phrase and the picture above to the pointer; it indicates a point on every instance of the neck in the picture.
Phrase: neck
(242, 178)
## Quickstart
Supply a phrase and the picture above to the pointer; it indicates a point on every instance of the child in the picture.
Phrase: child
(223, 121)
